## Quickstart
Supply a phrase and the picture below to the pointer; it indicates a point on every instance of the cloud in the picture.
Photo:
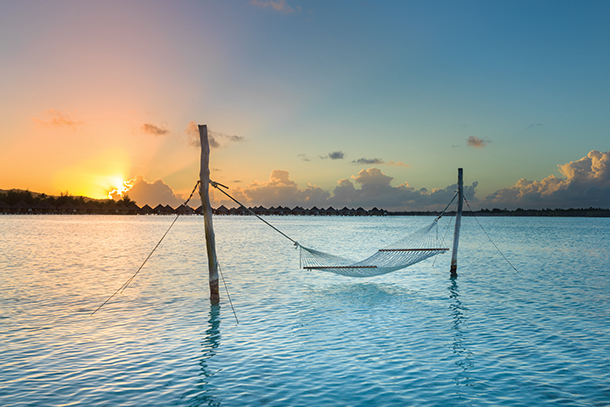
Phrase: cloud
(153, 194)
(586, 184)
(376, 191)
(280, 190)
(368, 161)
(397, 164)
(149, 128)
(216, 139)
(476, 142)
(336, 155)
(369, 188)
(58, 119)
(304, 157)
(277, 5)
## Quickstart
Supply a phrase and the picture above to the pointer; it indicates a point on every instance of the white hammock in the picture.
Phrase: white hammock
(410, 250)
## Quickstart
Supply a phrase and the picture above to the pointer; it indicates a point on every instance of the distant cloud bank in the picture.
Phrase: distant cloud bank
(586, 183)
(374, 191)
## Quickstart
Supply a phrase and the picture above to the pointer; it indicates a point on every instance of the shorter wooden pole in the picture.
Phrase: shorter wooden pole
(204, 186)
(458, 222)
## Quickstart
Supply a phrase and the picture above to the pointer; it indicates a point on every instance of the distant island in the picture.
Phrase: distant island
(17, 201)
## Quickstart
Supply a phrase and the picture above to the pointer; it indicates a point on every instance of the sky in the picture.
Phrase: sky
(342, 103)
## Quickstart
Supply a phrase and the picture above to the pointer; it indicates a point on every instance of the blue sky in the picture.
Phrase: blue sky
(309, 97)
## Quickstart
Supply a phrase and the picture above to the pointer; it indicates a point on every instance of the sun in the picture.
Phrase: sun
(119, 187)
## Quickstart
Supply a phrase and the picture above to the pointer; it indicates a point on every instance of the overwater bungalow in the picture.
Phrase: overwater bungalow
(260, 210)
(297, 210)
(46, 207)
(360, 212)
(221, 210)
(132, 209)
(313, 211)
(184, 210)
(346, 211)
(4, 207)
(66, 208)
(22, 207)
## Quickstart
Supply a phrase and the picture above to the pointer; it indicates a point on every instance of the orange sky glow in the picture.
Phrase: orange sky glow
(308, 103)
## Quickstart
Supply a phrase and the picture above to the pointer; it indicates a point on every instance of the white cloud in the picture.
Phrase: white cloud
(586, 184)
(374, 190)
(152, 193)
(280, 190)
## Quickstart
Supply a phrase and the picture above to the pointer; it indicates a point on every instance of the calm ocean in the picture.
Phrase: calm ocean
(493, 336)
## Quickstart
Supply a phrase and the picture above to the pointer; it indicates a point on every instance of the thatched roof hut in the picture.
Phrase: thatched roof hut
(4, 207)
(22, 207)
(221, 210)
(68, 207)
(184, 210)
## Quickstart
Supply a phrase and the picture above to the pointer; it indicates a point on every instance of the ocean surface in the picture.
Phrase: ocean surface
(493, 336)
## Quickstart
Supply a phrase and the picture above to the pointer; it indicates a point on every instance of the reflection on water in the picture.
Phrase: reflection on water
(209, 345)
(460, 340)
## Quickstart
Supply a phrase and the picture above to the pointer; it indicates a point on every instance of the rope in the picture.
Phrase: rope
(126, 283)
(492, 242)
(448, 205)
(217, 185)
(227, 290)
(447, 228)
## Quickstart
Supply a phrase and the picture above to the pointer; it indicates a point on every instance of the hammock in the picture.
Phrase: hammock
(405, 252)
(412, 249)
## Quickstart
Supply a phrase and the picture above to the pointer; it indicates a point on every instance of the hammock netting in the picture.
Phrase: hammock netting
(412, 249)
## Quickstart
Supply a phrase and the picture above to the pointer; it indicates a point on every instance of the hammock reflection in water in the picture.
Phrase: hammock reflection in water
(414, 248)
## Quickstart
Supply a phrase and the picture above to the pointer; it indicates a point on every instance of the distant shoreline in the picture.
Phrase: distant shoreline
(115, 210)
(21, 202)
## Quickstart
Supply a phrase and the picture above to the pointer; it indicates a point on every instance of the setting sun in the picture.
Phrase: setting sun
(95, 177)
(119, 187)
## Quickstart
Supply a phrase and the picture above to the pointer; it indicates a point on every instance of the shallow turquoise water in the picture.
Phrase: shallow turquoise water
(414, 337)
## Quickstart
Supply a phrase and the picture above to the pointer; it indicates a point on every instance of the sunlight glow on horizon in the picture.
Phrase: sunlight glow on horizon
(96, 177)
(121, 189)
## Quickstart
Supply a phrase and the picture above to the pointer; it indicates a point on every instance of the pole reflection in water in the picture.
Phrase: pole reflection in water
(209, 344)
(460, 340)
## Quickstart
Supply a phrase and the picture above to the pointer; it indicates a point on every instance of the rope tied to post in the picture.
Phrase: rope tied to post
(217, 185)
(126, 283)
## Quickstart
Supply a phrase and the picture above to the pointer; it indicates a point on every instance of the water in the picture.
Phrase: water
(414, 337)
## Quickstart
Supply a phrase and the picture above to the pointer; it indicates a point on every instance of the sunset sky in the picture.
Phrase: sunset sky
(343, 103)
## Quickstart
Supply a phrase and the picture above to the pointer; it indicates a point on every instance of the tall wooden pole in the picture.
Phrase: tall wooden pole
(204, 178)
(458, 222)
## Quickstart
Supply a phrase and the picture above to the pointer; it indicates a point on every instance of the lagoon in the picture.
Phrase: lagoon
(492, 336)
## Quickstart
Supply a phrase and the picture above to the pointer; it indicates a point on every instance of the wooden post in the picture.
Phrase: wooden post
(458, 222)
(204, 178)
